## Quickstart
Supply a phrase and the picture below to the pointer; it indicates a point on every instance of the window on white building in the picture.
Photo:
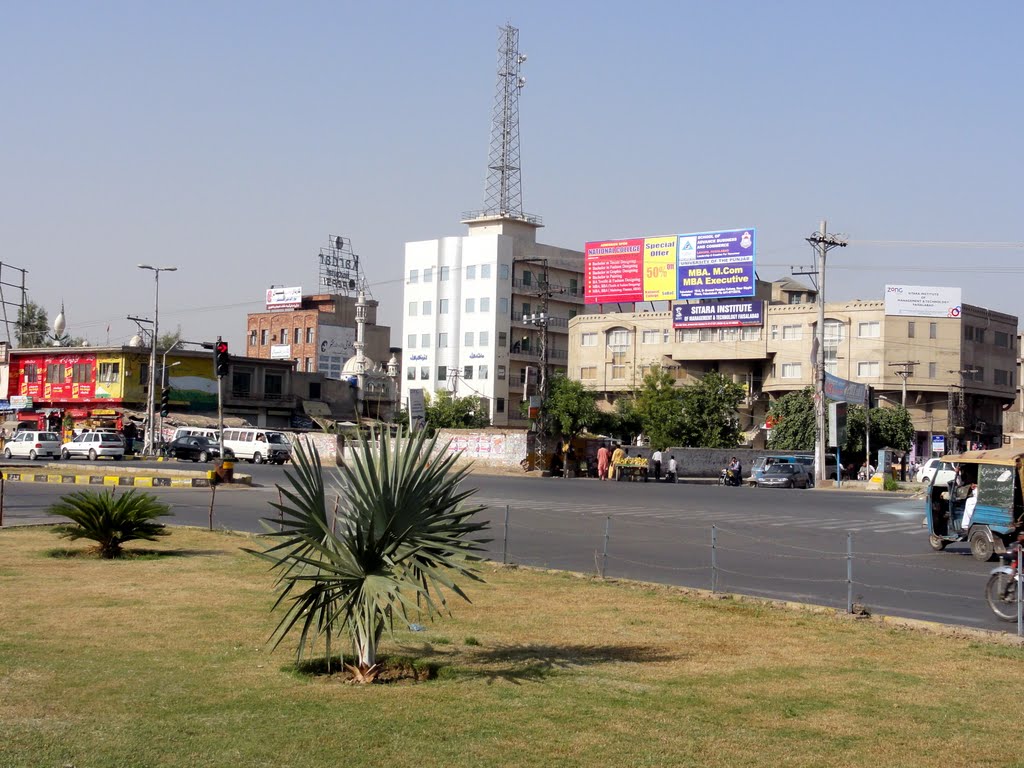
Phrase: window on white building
(468, 339)
(467, 372)
(413, 308)
(485, 271)
(750, 333)
(791, 370)
(867, 369)
(411, 341)
(442, 307)
(424, 373)
(414, 275)
(442, 340)
(485, 304)
(471, 305)
(425, 340)
(442, 373)
(792, 332)
(870, 330)
(482, 372)
(427, 308)
(428, 275)
(618, 338)
(443, 277)
(410, 373)
(588, 339)
(471, 272)
(483, 339)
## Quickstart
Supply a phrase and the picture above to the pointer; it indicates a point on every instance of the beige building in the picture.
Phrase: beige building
(960, 373)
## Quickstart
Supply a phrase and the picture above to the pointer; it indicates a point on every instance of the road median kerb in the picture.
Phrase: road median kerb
(121, 477)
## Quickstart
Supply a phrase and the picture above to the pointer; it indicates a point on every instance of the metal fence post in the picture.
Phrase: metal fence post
(714, 559)
(604, 556)
(849, 572)
(1020, 605)
(504, 540)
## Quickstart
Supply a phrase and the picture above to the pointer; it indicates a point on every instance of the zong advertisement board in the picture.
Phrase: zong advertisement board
(701, 265)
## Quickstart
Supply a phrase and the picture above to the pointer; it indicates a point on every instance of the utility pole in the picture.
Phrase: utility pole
(540, 320)
(822, 243)
(867, 425)
(906, 371)
(956, 409)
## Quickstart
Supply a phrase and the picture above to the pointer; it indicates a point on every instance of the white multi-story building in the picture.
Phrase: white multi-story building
(465, 298)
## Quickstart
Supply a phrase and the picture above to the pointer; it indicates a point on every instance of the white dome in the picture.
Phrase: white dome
(135, 341)
(352, 365)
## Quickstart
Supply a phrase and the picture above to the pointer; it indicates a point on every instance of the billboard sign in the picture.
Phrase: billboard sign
(702, 265)
(938, 444)
(280, 351)
(721, 315)
(284, 298)
(845, 391)
(922, 301)
(336, 345)
(837, 424)
(716, 265)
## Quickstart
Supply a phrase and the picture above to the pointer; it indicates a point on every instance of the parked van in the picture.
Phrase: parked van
(257, 445)
(210, 434)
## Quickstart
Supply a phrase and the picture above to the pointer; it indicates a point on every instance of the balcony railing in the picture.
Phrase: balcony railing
(556, 289)
(534, 352)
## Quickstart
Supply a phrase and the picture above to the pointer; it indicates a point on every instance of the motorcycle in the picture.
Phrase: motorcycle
(729, 477)
(1002, 587)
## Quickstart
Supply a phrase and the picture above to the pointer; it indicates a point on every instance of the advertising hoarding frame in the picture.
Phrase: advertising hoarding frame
(732, 314)
(284, 298)
(923, 301)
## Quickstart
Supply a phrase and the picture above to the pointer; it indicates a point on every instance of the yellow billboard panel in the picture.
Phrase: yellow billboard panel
(660, 268)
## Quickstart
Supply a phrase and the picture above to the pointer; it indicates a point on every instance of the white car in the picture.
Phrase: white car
(936, 471)
(95, 445)
(33, 444)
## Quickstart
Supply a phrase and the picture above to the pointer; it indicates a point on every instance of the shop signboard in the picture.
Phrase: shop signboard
(280, 351)
(701, 265)
(284, 298)
(938, 444)
(719, 315)
(922, 301)
(417, 410)
(21, 402)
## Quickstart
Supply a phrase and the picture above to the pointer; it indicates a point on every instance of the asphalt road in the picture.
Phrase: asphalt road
(784, 544)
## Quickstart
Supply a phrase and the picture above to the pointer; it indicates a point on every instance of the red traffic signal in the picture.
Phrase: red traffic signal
(222, 347)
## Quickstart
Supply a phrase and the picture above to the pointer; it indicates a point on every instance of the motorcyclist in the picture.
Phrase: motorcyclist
(735, 472)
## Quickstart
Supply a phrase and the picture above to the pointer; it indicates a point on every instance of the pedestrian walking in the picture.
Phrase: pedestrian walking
(673, 469)
(604, 457)
(656, 464)
(617, 456)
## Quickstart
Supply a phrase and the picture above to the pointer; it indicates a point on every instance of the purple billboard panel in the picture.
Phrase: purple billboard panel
(716, 265)
(723, 315)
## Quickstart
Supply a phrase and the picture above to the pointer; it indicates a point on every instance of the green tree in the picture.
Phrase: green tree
(710, 409)
(401, 531)
(444, 411)
(892, 428)
(169, 339)
(111, 521)
(793, 414)
(571, 407)
(659, 407)
(33, 325)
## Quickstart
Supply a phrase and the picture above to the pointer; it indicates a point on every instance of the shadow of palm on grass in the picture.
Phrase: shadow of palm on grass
(532, 663)
(134, 554)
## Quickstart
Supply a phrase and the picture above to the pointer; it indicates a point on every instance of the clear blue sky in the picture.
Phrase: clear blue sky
(229, 139)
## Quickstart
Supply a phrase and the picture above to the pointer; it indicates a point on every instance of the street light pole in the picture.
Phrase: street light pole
(151, 435)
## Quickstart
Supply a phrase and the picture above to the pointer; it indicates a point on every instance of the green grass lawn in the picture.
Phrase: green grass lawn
(162, 661)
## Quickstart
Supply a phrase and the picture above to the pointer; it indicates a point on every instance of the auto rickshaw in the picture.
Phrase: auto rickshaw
(998, 509)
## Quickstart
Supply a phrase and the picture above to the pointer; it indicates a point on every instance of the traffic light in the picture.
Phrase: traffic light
(223, 358)
(165, 398)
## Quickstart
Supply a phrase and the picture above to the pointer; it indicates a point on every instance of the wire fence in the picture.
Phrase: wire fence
(729, 559)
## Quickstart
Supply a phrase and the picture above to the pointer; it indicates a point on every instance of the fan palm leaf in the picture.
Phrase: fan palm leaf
(111, 520)
(402, 535)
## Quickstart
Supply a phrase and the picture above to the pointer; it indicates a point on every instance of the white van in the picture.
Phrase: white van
(210, 434)
(257, 445)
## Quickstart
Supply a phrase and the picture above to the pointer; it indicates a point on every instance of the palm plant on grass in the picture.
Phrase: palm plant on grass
(111, 520)
(399, 533)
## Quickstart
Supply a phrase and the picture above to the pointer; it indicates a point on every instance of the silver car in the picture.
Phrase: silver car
(95, 445)
(785, 475)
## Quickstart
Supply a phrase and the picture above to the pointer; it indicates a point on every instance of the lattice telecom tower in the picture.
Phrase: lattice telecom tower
(503, 191)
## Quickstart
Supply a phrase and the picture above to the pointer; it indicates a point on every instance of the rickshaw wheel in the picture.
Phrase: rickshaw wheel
(981, 548)
(937, 542)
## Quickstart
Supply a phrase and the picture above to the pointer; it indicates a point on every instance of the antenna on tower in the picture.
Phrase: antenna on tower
(503, 190)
